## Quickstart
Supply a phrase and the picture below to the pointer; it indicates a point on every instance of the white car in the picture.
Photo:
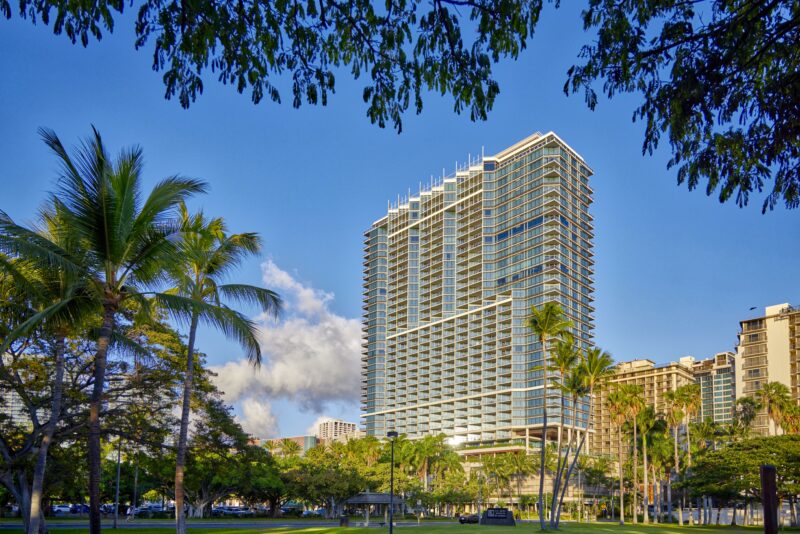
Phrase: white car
(61, 509)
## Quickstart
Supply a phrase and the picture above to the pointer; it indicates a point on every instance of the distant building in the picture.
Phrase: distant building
(655, 381)
(12, 409)
(769, 351)
(333, 429)
(716, 377)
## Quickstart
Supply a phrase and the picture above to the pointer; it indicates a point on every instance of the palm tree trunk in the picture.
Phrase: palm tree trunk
(676, 470)
(544, 438)
(50, 429)
(671, 519)
(557, 476)
(180, 462)
(645, 496)
(621, 483)
(95, 404)
(574, 458)
(634, 511)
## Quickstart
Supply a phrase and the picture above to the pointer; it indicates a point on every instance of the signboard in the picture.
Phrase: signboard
(498, 516)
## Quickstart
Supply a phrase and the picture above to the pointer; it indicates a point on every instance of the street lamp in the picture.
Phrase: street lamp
(392, 435)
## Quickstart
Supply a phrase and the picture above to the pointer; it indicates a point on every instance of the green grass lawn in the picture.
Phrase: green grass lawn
(595, 528)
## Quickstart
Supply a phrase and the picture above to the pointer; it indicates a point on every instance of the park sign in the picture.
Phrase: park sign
(498, 516)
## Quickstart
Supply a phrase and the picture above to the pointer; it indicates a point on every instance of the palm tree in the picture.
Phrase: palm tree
(692, 401)
(674, 417)
(60, 306)
(129, 244)
(646, 420)
(745, 412)
(289, 448)
(546, 322)
(617, 404)
(209, 255)
(565, 358)
(595, 368)
(521, 467)
(635, 405)
(775, 397)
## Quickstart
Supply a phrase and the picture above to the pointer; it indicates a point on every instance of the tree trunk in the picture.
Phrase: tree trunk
(645, 496)
(180, 461)
(621, 484)
(577, 453)
(544, 438)
(95, 405)
(634, 510)
(47, 439)
(557, 476)
(676, 468)
(671, 518)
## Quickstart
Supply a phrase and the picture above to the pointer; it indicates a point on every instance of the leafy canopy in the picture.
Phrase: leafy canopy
(718, 78)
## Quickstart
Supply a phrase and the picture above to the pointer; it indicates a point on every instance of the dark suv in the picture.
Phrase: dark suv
(468, 518)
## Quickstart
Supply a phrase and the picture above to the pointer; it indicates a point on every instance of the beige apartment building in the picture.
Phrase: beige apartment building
(655, 380)
(769, 351)
(334, 429)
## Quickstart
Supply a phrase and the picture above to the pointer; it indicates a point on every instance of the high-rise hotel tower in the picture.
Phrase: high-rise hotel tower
(450, 276)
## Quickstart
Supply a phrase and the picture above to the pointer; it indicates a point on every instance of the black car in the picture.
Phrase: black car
(469, 518)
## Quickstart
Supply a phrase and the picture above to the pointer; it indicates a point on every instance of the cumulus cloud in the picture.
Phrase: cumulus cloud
(257, 418)
(311, 356)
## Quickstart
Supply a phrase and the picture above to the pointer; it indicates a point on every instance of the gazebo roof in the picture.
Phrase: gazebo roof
(373, 498)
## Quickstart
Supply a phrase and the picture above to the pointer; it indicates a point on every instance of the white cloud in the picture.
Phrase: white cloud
(257, 418)
(311, 357)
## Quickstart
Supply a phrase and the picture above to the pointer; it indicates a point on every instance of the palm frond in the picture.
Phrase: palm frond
(231, 323)
(267, 300)
(16, 240)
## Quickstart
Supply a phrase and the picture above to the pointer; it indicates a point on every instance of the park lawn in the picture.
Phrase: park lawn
(594, 528)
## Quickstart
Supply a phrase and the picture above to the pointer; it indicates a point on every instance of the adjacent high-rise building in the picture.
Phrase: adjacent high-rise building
(769, 351)
(333, 429)
(716, 377)
(450, 276)
(655, 381)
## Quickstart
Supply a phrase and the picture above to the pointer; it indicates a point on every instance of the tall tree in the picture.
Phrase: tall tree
(61, 304)
(595, 368)
(547, 322)
(646, 420)
(566, 357)
(209, 255)
(634, 403)
(129, 239)
(617, 405)
(674, 417)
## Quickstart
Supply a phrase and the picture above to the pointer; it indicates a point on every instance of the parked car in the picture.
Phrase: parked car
(468, 518)
(231, 511)
(79, 509)
(314, 513)
(60, 508)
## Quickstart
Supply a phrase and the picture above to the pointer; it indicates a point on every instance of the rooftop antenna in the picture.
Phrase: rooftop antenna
(482, 153)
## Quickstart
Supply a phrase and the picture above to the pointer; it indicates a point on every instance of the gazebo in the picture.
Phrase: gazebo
(375, 504)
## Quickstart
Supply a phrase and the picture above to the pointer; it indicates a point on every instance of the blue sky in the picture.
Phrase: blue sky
(675, 271)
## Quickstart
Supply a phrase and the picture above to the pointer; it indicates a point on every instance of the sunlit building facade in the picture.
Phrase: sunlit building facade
(450, 276)
(769, 351)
